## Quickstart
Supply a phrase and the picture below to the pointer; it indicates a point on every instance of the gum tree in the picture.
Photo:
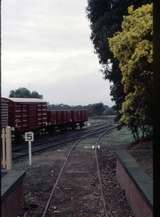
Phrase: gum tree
(105, 18)
(132, 47)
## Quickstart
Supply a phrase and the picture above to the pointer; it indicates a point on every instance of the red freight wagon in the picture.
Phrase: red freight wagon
(51, 117)
(68, 117)
(4, 112)
(59, 118)
(78, 116)
(27, 113)
(64, 117)
(74, 116)
(83, 115)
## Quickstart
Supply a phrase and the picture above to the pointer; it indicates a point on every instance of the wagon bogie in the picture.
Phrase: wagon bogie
(81, 124)
(51, 129)
(74, 126)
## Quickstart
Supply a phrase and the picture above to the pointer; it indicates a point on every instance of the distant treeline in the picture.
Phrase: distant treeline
(93, 109)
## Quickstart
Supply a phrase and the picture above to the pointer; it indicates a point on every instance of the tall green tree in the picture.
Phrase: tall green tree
(23, 92)
(133, 48)
(105, 18)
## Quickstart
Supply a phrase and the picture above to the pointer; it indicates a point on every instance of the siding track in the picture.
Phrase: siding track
(107, 212)
(20, 152)
(107, 209)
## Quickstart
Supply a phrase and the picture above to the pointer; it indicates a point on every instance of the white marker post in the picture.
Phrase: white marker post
(98, 147)
(29, 137)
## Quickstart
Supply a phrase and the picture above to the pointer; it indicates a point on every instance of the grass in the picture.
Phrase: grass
(119, 137)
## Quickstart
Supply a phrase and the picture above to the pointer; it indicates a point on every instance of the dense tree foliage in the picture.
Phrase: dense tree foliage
(132, 46)
(23, 92)
(105, 18)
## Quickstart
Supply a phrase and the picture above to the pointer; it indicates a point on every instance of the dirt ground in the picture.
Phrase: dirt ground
(78, 192)
(40, 178)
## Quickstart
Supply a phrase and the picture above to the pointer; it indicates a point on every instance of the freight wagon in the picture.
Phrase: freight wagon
(67, 119)
(57, 120)
(29, 114)
(4, 112)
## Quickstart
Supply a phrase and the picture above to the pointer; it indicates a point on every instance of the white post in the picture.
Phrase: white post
(3, 148)
(29, 137)
(8, 149)
(30, 153)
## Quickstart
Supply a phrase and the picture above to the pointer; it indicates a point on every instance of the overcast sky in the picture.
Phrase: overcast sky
(46, 47)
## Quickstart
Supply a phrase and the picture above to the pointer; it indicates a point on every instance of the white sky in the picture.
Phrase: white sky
(46, 47)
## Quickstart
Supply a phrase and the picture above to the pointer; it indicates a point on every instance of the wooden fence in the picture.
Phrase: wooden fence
(6, 137)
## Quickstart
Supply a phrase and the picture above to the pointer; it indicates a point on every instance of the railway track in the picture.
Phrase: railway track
(54, 143)
(100, 134)
(57, 136)
(106, 208)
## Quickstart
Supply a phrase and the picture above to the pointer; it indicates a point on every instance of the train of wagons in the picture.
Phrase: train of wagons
(30, 114)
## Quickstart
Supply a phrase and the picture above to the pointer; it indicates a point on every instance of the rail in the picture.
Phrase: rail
(54, 143)
(108, 212)
(102, 132)
(107, 208)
